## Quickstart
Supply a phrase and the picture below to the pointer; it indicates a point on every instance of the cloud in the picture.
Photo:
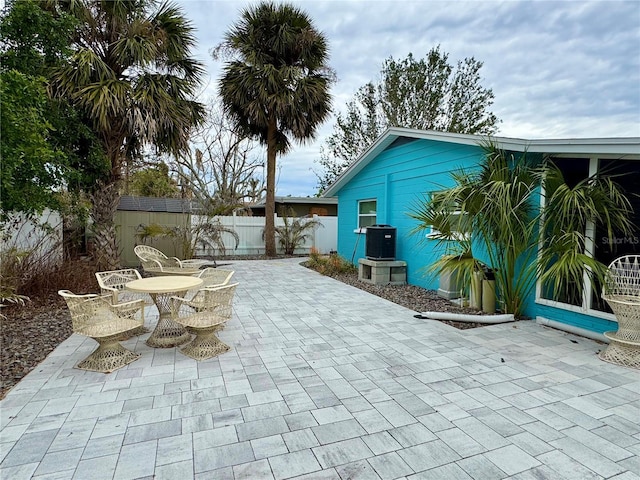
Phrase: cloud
(558, 69)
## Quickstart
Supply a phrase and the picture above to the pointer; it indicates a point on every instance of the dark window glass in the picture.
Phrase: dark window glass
(574, 170)
(626, 173)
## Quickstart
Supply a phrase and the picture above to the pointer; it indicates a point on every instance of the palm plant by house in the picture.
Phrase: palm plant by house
(275, 85)
(133, 77)
(501, 225)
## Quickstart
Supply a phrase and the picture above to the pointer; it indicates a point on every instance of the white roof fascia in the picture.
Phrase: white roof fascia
(302, 200)
(620, 147)
(318, 200)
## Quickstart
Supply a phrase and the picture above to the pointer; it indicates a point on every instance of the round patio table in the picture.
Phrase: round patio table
(167, 332)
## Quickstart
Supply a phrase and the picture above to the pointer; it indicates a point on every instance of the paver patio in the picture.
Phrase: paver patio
(325, 381)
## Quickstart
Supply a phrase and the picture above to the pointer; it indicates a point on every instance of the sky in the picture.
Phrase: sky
(558, 69)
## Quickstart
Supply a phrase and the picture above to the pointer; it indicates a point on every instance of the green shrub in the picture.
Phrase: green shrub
(330, 265)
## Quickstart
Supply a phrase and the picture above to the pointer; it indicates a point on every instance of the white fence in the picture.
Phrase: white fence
(41, 235)
(323, 238)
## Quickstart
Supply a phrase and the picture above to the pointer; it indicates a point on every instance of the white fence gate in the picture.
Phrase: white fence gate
(323, 238)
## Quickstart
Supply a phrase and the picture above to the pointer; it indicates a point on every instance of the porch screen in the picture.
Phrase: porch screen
(625, 173)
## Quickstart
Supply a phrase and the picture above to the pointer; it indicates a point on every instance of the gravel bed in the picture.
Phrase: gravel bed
(415, 298)
(31, 332)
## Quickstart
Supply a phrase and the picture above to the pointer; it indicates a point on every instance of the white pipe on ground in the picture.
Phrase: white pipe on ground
(465, 317)
(572, 329)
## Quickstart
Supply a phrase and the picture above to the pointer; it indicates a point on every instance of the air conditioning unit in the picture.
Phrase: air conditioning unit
(381, 242)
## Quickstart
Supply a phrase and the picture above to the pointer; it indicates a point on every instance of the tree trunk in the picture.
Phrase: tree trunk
(270, 202)
(105, 204)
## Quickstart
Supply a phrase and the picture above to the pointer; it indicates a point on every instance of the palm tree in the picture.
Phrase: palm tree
(501, 222)
(295, 231)
(132, 76)
(276, 84)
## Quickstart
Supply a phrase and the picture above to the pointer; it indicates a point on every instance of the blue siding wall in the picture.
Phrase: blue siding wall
(575, 319)
(398, 178)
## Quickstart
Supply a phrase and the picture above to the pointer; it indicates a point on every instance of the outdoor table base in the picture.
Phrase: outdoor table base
(167, 332)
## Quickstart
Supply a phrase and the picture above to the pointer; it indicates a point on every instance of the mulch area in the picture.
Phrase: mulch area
(31, 332)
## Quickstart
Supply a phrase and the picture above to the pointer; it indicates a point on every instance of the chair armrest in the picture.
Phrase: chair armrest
(177, 302)
(91, 296)
(107, 289)
(111, 292)
(177, 260)
(95, 298)
(183, 307)
(151, 264)
(129, 309)
(195, 262)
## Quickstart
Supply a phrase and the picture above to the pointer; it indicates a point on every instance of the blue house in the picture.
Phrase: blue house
(404, 165)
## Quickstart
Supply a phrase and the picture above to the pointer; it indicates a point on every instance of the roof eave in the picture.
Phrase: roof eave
(579, 146)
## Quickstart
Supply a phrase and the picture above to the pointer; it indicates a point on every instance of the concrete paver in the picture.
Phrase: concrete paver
(325, 381)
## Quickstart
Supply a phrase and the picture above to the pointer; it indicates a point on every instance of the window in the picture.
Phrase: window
(366, 213)
(574, 171)
(448, 221)
(625, 173)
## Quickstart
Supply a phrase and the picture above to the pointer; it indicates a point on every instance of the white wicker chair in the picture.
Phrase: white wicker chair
(113, 282)
(622, 293)
(96, 317)
(203, 316)
(155, 262)
(212, 277)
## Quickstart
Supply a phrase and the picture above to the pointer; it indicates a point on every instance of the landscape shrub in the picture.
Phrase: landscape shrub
(330, 265)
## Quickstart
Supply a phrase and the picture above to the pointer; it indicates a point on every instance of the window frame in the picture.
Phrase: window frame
(360, 215)
(435, 234)
(586, 307)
